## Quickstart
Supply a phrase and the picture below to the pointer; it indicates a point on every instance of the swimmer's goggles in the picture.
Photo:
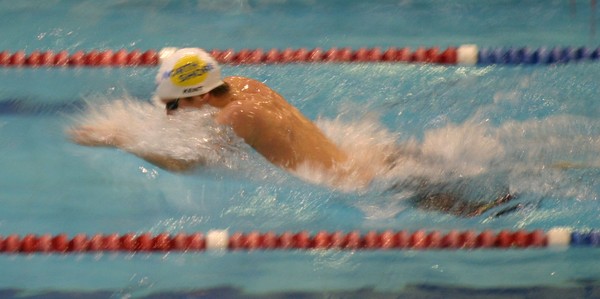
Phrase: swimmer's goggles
(172, 105)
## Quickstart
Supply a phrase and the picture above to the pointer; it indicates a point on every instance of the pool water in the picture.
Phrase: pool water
(519, 124)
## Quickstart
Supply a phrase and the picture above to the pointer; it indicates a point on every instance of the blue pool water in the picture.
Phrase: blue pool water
(511, 122)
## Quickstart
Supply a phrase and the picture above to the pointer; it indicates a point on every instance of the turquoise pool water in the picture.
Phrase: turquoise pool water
(514, 122)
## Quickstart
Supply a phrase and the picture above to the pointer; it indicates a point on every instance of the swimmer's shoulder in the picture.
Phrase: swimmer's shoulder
(254, 91)
(246, 84)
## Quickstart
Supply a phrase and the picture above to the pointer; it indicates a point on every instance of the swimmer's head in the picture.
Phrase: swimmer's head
(185, 73)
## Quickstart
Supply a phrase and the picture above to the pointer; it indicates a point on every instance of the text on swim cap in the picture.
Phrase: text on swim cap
(192, 89)
(189, 71)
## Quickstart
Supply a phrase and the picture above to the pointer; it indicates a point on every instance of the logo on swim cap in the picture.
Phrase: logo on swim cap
(190, 70)
(186, 72)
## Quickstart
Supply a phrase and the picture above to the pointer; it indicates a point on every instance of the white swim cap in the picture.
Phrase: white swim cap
(187, 72)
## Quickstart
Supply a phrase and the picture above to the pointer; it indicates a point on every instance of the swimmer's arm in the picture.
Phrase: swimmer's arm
(168, 163)
(96, 136)
(104, 137)
(566, 165)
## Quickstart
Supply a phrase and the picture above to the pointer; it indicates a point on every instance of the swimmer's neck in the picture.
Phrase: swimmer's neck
(219, 101)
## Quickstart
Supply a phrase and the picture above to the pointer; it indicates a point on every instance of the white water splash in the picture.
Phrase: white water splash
(189, 135)
(532, 152)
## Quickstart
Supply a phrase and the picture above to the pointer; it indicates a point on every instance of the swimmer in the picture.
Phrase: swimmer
(191, 79)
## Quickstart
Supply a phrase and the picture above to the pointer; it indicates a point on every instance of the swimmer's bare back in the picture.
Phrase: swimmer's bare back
(275, 128)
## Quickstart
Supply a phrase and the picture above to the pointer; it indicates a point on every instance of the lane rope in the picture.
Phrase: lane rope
(323, 240)
(462, 55)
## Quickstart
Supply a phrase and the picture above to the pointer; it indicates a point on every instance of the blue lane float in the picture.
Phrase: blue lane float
(542, 55)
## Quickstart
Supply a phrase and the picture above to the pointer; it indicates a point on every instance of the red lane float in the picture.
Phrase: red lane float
(336, 55)
(221, 240)
(93, 58)
(150, 58)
